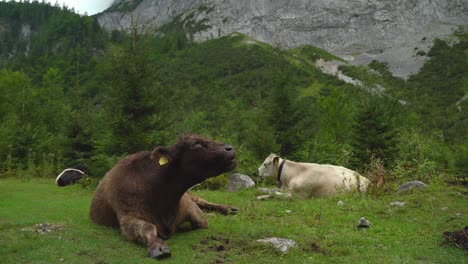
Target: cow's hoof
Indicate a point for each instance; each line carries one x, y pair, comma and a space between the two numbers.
159, 252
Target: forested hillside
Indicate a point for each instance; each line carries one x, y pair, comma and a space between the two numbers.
73, 94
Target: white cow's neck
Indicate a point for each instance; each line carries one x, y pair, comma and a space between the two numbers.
290, 169
281, 163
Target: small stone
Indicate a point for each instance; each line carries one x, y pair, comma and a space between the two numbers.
264, 190
282, 194
288, 211
264, 197
364, 223
397, 203
445, 208
340, 203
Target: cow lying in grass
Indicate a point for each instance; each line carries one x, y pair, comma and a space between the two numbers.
312, 179
69, 176
145, 193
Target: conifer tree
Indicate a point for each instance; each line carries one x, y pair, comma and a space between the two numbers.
131, 101
374, 133
283, 115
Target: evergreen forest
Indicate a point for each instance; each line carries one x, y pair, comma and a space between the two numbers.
73, 94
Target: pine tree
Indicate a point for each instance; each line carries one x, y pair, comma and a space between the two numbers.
132, 95
282, 117
374, 133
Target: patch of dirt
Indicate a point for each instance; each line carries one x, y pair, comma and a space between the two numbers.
221, 246
92, 256
44, 228
312, 246
459, 238
315, 248
86, 253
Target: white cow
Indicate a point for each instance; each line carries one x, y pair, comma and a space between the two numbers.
312, 179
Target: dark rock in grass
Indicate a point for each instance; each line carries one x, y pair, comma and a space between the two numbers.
281, 244
239, 181
407, 187
363, 223
459, 238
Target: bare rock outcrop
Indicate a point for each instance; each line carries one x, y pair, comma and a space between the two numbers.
359, 31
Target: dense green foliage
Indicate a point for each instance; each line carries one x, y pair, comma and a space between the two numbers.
72, 94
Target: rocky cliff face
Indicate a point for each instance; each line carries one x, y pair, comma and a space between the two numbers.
394, 31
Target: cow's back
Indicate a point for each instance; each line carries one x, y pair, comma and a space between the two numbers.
324, 180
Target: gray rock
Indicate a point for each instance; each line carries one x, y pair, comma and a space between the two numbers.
274, 193
410, 186
264, 197
281, 244
363, 223
268, 191
340, 203
239, 181
397, 203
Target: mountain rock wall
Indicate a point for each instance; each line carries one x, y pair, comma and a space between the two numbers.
392, 31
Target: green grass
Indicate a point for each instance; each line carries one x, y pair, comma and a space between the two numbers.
325, 232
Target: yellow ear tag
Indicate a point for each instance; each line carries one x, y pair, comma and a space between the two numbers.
163, 160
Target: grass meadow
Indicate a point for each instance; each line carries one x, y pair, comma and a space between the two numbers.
324, 231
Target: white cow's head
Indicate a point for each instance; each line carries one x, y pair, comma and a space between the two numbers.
269, 167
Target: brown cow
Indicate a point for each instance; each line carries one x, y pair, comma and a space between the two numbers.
145, 194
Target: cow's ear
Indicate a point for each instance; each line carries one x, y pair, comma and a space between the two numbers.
275, 160
161, 156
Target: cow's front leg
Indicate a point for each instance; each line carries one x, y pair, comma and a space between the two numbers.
144, 232
205, 205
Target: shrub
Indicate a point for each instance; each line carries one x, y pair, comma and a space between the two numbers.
460, 166
379, 176
216, 183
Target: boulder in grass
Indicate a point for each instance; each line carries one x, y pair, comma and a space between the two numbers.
281, 244
363, 223
239, 181
407, 187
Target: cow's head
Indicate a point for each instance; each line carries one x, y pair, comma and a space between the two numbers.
269, 167
197, 157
